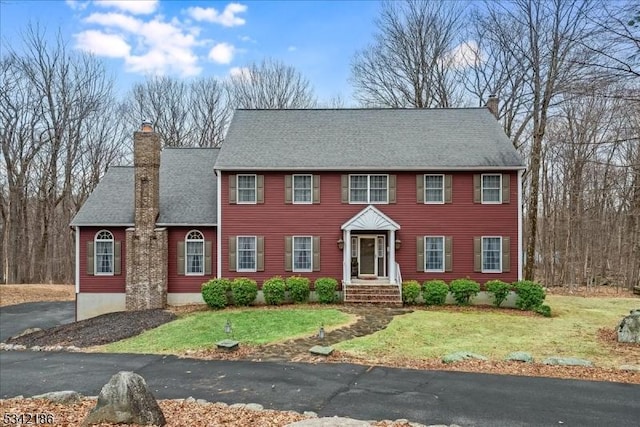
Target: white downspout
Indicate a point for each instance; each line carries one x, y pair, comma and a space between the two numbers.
77, 260
346, 258
392, 257
219, 226
520, 173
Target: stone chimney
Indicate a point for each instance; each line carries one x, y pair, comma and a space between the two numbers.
146, 251
492, 105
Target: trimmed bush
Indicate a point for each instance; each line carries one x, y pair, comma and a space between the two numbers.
410, 291
499, 290
244, 290
530, 294
274, 290
214, 292
434, 292
463, 290
298, 288
543, 309
326, 289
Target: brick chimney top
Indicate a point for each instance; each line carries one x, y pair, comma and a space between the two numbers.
492, 105
146, 126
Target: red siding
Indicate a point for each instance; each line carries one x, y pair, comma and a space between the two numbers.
182, 283
461, 219
101, 284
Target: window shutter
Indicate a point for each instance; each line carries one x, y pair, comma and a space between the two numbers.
288, 188
90, 262
207, 257
420, 253
477, 254
419, 188
477, 196
345, 188
232, 189
448, 185
117, 258
259, 188
506, 254
260, 253
392, 188
288, 260
316, 188
180, 258
506, 188
316, 253
233, 253
448, 253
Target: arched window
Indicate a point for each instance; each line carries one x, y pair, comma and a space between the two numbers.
194, 249
104, 252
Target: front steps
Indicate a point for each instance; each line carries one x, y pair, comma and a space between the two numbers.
373, 293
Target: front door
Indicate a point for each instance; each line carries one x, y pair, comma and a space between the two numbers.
367, 259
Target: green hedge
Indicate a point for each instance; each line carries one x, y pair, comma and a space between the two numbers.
463, 290
326, 289
298, 288
274, 290
244, 291
499, 290
434, 292
410, 291
531, 295
214, 292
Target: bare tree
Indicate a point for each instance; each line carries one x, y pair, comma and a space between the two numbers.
269, 85
412, 60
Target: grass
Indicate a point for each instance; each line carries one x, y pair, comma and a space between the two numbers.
250, 326
572, 331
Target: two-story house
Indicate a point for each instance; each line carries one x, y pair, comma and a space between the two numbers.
360, 195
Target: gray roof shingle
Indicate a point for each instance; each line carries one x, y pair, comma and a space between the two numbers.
367, 139
188, 195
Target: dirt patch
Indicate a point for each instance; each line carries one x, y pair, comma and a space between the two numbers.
17, 294
592, 291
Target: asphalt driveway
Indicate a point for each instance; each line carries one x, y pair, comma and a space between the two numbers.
16, 318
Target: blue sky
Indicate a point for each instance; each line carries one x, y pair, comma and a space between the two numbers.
202, 38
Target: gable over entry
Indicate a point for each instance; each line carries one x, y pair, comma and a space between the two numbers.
369, 219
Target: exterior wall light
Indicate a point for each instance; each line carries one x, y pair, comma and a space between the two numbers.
398, 244
340, 244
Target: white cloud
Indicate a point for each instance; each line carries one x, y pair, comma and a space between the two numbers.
117, 20
241, 73
292, 48
222, 53
227, 18
137, 7
99, 43
466, 54
246, 39
77, 5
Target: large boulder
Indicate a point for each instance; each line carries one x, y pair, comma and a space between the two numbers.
126, 399
629, 328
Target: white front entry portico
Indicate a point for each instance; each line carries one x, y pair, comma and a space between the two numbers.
369, 241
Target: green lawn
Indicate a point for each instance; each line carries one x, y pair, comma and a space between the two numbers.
250, 326
572, 331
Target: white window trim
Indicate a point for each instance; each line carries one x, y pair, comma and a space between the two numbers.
441, 202
482, 189
434, 270
255, 189
482, 254
186, 258
293, 190
95, 253
255, 255
293, 256
369, 202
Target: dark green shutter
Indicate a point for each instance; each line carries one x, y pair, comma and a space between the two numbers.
232, 189
477, 189
316, 188
316, 253
506, 188
477, 254
506, 254
448, 188
180, 258
233, 253
207, 257
117, 258
420, 188
420, 253
288, 188
288, 258
448, 253
260, 253
90, 261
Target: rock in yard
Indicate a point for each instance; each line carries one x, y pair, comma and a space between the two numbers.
459, 356
65, 397
566, 361
330, 422
27, 331
519, 356
629, 328
321, 350
126, 399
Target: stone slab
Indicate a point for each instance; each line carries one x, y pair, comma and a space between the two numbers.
228, 344
321, 350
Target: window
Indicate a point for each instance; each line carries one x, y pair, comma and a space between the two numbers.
104, 253
302, 189
246, 253
491, 188
434, 253
368, 189
302, 253
246, 188
491, 254
194, 253
434, 188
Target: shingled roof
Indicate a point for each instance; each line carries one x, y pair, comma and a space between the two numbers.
367, 139
188, 192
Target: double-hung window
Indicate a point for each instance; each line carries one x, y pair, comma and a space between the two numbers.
194, 249
302, 188
491, 254
104, 253
246, 253
491, 188
302, 253
434, 188
434, 253
368, 188
246, 188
